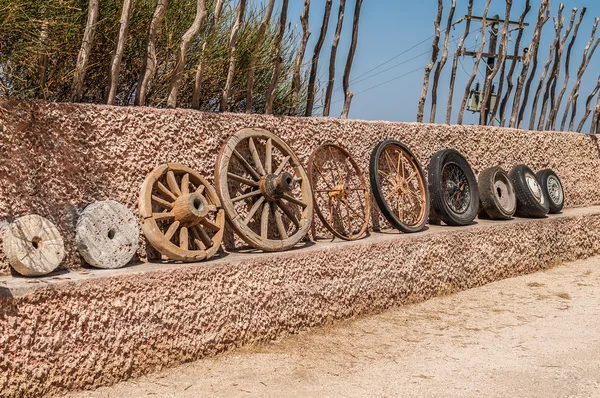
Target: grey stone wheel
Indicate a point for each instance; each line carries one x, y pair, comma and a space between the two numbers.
107, 234
33, 246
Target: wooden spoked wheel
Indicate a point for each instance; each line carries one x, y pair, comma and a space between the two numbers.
341, 194
181, 213
399, 186
264, 190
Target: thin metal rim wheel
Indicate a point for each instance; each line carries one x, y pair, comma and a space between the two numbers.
457, 193
405, 180
338, 189
282, 193
176, 202
535, 188
555, 191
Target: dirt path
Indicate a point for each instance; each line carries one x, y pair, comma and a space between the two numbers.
532, 336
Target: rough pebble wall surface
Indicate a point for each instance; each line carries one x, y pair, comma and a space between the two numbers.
57, 158
83, 334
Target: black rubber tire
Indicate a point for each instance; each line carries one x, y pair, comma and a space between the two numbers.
436, 189
555, 201
527, 203
496, 202
377, 192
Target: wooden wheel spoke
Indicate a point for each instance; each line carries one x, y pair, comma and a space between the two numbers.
279, 221
201, 236
210, 225
162, 202
264, 221
269, 156
295, 201
171, 230
172, 183
183, 238
243, 180
289, 213
200, 190
185, 184
163, 216
246, 165
245, 196
255, 156
165, 191
253, 210
283, 163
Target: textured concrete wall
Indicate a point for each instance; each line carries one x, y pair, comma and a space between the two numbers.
56, 158
98, 329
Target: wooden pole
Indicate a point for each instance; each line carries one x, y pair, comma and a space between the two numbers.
346, 80
115, 64
310, 91
455, 61
441, 63
428, 68
588, 103
84, 52
300, 58
224, 105
334, 46
278, 59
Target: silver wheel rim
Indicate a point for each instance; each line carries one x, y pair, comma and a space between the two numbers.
505, 193
535, 188
555, 190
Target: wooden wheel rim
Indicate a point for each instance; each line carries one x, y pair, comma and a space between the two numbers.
198, 234
237, 221
397, 179
312, 164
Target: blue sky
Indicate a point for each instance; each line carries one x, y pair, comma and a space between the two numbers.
390, 27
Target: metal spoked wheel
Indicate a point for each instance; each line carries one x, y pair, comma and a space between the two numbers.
340, 192
456, 192
399, 186
264, 190
181, 213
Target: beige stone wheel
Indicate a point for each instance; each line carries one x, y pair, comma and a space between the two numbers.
33, 246
181, 213
264, 190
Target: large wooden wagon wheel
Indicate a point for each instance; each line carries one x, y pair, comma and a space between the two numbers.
399, 186
342, 197
264, 190
181, 213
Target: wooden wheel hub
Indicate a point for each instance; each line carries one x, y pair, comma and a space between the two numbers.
273, 187
190, 209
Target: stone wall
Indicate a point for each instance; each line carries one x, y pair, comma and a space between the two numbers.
57, 158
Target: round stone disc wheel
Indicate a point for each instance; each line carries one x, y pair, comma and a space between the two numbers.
453, 188
264, 189
181, 213
399, 186
532, 201
340, 192
107, 234
33, 246
496, 194
551, 184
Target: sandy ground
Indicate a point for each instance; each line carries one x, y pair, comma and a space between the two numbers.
532, 336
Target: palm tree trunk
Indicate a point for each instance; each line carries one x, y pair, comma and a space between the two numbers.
149, 62
513, 65
184, 46
441, 63
224, 106
115, 64
457, 54
84, 51
299, 58
428, 68
334, 47
310, 92
259, 41
200, 69
346, 80
278, 59
556, 107
463, 104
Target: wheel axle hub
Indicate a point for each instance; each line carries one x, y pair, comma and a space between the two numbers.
190, 209
273, 186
